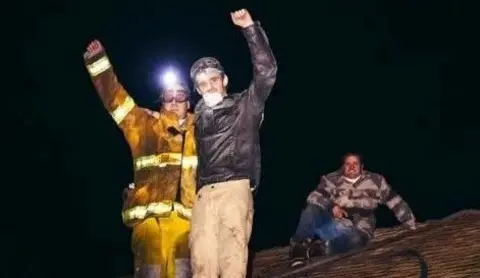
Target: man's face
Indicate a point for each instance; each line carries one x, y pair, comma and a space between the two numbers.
175, 99
210, 81
352, 167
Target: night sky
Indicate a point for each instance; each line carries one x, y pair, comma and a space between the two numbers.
394, 80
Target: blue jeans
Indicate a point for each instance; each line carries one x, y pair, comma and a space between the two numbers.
317, 222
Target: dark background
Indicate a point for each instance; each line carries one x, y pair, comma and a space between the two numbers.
395, 80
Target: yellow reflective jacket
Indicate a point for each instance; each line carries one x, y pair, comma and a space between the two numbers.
156, 152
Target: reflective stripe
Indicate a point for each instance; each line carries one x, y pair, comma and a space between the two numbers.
99, 66
164, 159
182, 210
160, 209
122, 111
140, 212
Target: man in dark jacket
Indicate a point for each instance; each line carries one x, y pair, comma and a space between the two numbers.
341, 212
227, 134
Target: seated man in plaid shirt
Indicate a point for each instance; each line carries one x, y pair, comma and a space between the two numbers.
340, 212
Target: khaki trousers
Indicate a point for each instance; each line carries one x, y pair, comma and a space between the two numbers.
221, 225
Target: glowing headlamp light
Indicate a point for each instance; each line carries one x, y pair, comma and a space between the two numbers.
169, 79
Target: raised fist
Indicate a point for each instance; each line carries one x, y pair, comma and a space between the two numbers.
242, 18
93, 49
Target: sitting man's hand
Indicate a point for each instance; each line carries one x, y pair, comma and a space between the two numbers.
338, 212
411, 224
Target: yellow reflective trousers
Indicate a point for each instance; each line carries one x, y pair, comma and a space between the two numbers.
160, 247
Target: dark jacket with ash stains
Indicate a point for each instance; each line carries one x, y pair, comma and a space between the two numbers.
156, 152
228, 133
360, 199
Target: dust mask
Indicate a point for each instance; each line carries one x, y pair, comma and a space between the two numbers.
212, 99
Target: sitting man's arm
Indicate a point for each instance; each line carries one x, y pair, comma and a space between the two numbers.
395, 203
323, 194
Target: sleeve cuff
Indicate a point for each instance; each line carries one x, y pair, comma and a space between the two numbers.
250, 30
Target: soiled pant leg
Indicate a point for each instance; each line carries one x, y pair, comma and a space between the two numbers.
180, 252
147, 249
174, 230
235, 208
160, 247
203, 235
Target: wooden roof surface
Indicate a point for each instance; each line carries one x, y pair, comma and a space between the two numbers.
450, 248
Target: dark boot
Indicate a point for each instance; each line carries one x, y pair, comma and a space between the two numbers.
299, 253
316, 249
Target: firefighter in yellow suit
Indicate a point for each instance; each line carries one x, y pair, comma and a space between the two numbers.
158, 205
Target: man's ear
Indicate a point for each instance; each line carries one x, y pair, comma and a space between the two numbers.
188, 105
225, 80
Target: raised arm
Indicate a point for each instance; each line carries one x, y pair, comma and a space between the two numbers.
114, 97
396, 204
263, 60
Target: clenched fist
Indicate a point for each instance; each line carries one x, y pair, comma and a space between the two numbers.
93, 49
242, 18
